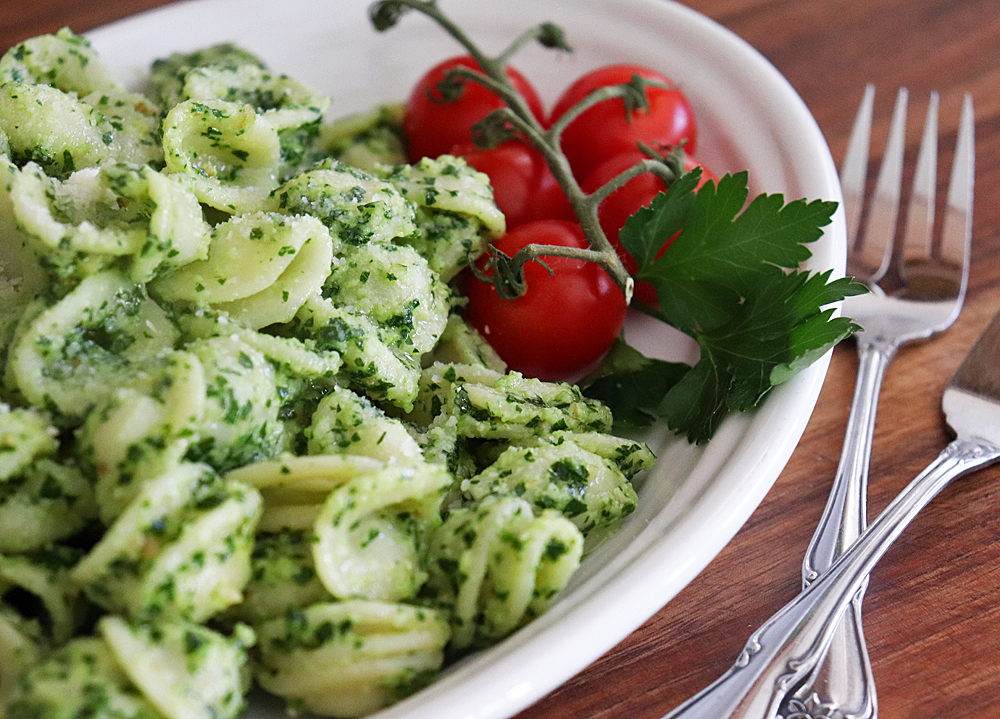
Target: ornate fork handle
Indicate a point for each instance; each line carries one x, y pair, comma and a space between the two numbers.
843, 521
842, 681
787, 648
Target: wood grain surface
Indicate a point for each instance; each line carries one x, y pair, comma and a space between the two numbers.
932, 610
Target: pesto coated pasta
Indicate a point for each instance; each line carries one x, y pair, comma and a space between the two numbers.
246, 435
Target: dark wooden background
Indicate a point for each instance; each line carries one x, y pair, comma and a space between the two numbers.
932, 612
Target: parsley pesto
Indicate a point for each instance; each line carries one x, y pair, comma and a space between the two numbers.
246, 435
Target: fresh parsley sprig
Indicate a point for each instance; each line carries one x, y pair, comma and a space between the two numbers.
730, 280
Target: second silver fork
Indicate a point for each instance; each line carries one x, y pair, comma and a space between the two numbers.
934, 279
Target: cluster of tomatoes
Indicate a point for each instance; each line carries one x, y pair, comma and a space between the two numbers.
572, 311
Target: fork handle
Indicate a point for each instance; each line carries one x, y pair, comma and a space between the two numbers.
787, 648
845, 515
844, 678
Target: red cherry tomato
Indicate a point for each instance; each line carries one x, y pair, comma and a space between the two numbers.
603, 131
627, 200
523, 186
431, 126
565, 322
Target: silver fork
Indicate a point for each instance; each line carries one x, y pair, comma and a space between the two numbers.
934, 280
779, 668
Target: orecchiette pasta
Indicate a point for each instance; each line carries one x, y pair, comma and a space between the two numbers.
449, 184
81, 214
347, 423
357, 207
453, 224
491, 405
242, 418
44, 574
366, 140
64, 60
135, 122
185, 670
282, 577
82, 115
461, 344
285, 102
583, 486
97, 216
21, 276
82, 677
20, 649
348, 659
167, 75
54, 129
136, 435
294, 357
499, 564
281, 300
229, 154
394, 287
246, 435
369, 531
25, 434
72, 355
181, 548
246, 255
45, 502
294, 488
371, 362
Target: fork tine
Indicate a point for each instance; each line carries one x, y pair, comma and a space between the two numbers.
875, 250
957, 228
918, 234
854, 171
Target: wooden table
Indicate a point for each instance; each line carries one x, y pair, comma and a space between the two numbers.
932, 612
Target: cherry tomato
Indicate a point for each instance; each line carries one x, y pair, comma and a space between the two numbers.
523, 186
603, 131
627, 200
565, 322
431, 126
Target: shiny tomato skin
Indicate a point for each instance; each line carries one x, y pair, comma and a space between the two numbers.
564, 323
524, 188
432, 126
629, 199
604, 131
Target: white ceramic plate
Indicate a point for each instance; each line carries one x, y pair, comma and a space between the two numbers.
695, 499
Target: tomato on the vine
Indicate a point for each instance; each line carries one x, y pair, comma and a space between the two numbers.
565, 322
604, 130
629, 199
432, 125
523, 186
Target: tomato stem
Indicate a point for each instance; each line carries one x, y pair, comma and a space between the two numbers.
546, 34
534, 252
657, 167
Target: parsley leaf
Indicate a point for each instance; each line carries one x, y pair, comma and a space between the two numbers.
730, 280
632, 385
